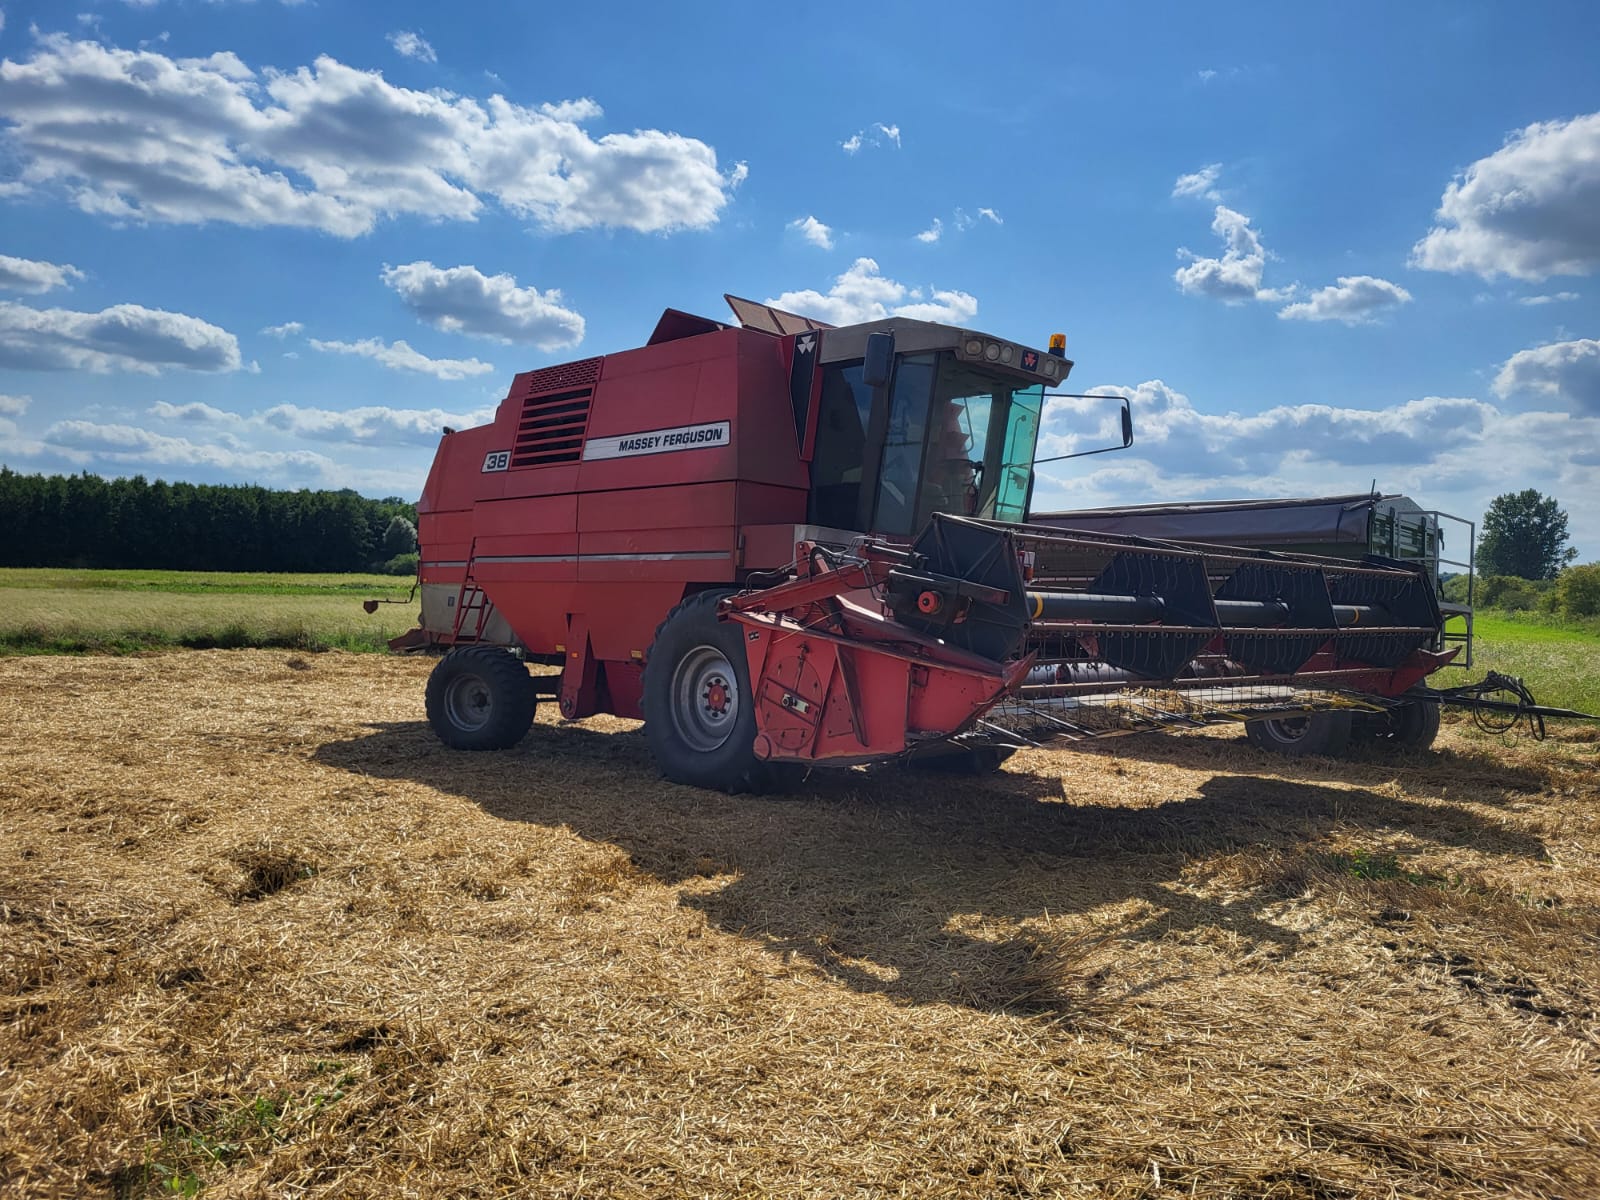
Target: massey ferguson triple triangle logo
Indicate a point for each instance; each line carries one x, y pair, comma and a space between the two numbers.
658, 441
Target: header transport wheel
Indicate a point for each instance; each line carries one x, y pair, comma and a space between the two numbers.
480, 698
698, 710
1409, 726
1296, 737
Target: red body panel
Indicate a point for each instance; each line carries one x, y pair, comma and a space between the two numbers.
577, 547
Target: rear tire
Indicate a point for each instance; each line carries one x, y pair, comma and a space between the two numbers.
1409, 726
1299, 737
480, 698
699, 711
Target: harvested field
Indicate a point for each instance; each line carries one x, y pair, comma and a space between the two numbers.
260, 934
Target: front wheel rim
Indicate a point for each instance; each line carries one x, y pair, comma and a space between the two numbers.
705, 699
468, 703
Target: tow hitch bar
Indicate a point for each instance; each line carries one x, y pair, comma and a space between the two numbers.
1495, 715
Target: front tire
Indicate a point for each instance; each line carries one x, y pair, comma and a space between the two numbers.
1325, 733
699, 711
480, 698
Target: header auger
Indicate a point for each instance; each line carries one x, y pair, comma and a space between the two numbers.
790, 544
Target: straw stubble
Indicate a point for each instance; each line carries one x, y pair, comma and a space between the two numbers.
264, 935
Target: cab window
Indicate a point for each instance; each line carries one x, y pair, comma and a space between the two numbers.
842, 421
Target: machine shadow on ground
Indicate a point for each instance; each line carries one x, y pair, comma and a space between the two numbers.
926, 889
1433, 772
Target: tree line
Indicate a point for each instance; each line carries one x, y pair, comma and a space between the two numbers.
87, 521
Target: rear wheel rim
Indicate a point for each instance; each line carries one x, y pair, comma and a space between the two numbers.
468, 702
705, 699
1289, 729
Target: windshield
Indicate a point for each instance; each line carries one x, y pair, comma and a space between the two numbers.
980, 455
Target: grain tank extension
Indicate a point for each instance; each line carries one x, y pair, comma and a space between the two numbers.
786, 544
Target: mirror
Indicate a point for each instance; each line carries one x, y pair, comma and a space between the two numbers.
1125, 416
878, 363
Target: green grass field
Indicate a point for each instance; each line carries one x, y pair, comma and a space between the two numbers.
204, 583
66, 612
1561, 666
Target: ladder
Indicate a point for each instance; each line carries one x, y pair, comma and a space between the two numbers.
472, 605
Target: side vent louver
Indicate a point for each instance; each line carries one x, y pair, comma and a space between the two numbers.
555, 415
551, 429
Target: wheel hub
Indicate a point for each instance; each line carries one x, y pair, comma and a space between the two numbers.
1291, 729
705, 698
468, 702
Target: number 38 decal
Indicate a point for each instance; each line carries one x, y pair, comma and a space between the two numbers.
497, 460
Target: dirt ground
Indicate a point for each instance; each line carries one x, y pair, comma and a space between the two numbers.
262, 935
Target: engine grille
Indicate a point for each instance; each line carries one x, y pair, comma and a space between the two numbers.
551, 428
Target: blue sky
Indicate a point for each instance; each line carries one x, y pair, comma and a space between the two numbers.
252, 240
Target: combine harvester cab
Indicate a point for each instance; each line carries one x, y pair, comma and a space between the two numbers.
783, 543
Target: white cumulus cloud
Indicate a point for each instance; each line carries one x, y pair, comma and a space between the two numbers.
1455, 453
287, 329
1171, 431
195, 413
814, 231
1529, 210
371, 425
86, 441
34, 276
1554, 298
1203, 183
14, 406
124, 337
1236, 276
135, 135
412, 45
961, 220
399, 356
368, 425
862, 293
876, 136
1567, 370
463, 299
1355, 300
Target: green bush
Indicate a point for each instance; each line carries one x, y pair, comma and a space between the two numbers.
1578, 591
1454, 589
400, 564
1511, 593
400, 537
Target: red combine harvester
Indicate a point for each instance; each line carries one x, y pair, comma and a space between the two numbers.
787, 543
